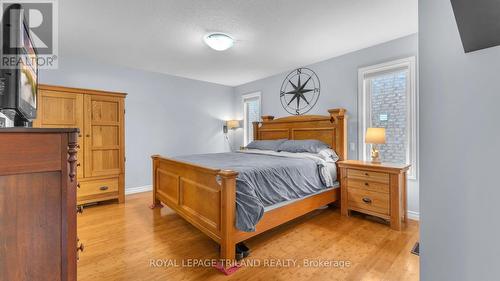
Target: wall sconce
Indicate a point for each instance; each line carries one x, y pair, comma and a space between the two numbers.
230, 125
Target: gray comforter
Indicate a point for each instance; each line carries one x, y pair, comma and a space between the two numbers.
267, 178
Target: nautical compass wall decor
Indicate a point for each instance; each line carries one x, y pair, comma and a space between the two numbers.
300, 91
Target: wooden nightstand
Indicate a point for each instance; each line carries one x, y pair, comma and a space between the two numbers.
374, 189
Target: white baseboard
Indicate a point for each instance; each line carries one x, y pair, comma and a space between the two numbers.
414, 215
139, 189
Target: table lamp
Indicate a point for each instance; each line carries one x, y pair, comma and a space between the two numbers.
375, 136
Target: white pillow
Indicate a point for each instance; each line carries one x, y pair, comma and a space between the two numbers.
328, 155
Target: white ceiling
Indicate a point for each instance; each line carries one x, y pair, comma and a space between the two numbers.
272, 36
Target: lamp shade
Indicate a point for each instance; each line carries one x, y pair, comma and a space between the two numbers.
233, 124
375, 135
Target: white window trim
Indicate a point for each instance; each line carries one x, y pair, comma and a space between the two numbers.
412, 94
243, 98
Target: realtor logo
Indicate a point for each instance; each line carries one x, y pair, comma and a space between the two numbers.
28, 24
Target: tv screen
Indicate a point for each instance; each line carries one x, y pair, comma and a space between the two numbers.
19, 70
28, 76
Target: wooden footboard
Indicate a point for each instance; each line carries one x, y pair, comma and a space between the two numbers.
206, 198
203, 196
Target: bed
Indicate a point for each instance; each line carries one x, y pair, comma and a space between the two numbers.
206, 197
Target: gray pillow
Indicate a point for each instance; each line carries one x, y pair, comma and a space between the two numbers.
266, 144
311, 146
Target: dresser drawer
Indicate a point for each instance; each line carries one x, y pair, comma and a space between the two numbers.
368, 185
98, 187
368, 200
368, 175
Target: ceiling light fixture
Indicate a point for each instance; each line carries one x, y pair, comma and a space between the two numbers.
219, 41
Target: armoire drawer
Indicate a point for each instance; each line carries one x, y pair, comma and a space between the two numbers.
101, 187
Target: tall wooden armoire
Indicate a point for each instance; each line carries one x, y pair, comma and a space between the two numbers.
100, 116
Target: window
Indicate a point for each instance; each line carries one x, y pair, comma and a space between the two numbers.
251, 113
387, 99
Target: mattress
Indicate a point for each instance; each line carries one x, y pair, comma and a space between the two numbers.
284, 203
267, 179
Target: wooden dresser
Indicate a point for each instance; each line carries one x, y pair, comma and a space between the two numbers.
100, 116
374, 189
38, 182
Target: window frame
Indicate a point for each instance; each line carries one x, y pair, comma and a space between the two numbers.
246, 126
364, 114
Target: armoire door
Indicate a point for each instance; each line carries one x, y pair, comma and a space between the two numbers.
104, 138
61, 110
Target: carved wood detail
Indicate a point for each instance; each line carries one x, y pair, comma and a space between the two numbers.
73, 148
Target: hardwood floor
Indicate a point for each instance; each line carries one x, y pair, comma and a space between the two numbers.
121, 242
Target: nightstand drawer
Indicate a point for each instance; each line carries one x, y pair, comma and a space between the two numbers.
368, 185
368, 175
368, 200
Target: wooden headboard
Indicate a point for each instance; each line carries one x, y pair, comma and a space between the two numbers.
330, 129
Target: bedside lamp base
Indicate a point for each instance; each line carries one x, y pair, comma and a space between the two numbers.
375, 155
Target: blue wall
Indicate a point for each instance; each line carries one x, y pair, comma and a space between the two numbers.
166, 115
339, 88
459, 137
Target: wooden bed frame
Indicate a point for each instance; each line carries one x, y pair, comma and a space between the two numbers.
206, 197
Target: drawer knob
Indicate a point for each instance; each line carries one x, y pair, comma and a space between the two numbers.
80, 248
367, 200
367, 184
103, 188
78, 185
79, 209
78, 164
366, 174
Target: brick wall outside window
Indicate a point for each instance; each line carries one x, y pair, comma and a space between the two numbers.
389, 110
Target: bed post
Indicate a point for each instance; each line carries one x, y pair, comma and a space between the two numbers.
156, 201
228, 215
265, 118
255, 130
340, 119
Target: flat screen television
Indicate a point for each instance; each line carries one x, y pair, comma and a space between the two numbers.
19, 69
